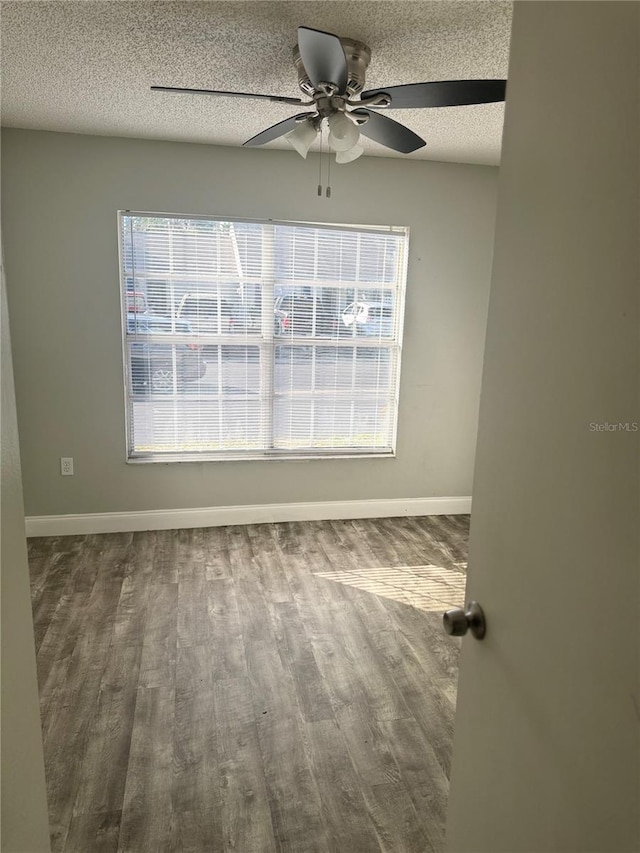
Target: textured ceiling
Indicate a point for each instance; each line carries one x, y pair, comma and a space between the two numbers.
86, 67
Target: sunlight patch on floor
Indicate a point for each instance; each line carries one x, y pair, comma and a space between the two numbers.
425, 587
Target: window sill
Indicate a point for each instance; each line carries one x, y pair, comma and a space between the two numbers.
276, 457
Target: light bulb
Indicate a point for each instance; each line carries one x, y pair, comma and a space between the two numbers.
343, 133
302, 138
351, 154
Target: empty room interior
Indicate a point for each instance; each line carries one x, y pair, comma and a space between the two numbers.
285, 285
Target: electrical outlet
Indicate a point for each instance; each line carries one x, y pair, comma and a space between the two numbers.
66, 466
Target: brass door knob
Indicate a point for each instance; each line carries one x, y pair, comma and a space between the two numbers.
457, 622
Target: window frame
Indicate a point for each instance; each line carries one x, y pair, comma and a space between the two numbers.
267, 341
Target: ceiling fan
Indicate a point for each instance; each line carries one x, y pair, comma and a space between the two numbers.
331, 72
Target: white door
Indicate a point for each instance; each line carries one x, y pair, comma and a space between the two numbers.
546, 743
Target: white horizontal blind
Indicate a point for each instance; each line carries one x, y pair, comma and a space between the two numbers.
247, 339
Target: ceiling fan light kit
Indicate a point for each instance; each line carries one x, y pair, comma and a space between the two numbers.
350, 155
331, 73
302, 137
343, 132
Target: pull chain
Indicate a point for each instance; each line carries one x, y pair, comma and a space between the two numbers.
328, 187
320, 165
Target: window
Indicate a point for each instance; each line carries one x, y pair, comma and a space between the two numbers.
247, 340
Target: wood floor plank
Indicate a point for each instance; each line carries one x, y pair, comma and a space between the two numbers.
429, 707
370, 751
66, 726
293, 795
354, 653
245, 811
146, 812
196, 769
394, 817
455, 534
358, 683
140, 557
57, 646
267, 564
385, 545
131, 612
401, 578
104, 561
418, 548
225, 643
344, 810
96, 832
250, 594
66, 729
318, 606
65, 740
160, 645
190, 555
423, 777
194, 832
216, 554
166, 555
296, 650
366, 560
194, 624
103, 766
40, 553
423, 632
53, 584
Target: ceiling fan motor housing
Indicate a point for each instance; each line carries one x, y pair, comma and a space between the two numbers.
358, 57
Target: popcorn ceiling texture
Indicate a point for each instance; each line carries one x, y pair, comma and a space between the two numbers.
86, 67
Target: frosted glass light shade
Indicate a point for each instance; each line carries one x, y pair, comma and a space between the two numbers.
343, 133
348, 156
302, 138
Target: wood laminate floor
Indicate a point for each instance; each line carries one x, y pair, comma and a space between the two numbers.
260, 688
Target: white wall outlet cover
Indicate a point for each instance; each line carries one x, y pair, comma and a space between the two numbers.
66, 466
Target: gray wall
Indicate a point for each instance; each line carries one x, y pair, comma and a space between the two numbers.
60, 194
24, 801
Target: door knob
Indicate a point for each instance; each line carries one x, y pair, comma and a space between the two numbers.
457, 622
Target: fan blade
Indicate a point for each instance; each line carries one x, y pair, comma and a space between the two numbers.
449, 93
323, 57
276, 130
388, 132
278, 99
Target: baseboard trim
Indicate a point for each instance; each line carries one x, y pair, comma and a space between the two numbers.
172, 519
